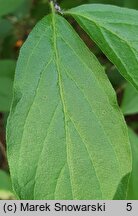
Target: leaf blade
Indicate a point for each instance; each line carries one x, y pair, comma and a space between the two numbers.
69, 157
115, 31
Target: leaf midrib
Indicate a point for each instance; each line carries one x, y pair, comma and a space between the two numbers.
61, 90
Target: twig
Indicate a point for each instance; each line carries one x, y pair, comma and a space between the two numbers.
56, 6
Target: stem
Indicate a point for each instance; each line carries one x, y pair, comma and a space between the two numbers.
52, 7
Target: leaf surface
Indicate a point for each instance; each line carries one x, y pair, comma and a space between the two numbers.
130, 100
133, 184
115, 30
66, 136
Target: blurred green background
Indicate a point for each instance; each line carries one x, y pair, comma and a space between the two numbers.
17, 18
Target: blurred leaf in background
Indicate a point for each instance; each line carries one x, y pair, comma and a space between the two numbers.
8, 6
7, 68
40, 9
23, 9
5, 27
5, 186
130, 100
131, 4
5, 181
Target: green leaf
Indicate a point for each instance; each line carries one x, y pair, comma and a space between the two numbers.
5, 28
130, 100
66, 136
133, 184
5, 186
8, 6
115, 30
7, 68
5, 182
23, 9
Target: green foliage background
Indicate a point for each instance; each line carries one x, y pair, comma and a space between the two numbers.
17, 18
